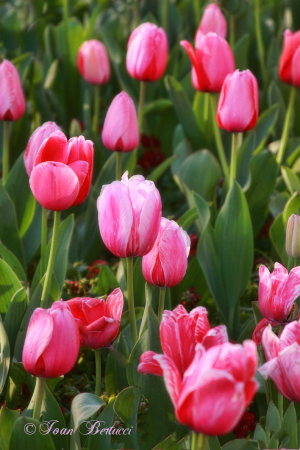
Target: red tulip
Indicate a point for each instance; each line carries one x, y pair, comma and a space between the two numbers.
289, 66
238, 102
12, 105
147, 53
213, 21
52, 342
180, 332
98, 320
120, 130
212, 61
93, 63
166, 263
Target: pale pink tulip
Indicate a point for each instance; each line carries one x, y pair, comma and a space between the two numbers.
289, 67
213, 21
52, 342
166, 263
93, 63
129, 213
12, 104
120, 130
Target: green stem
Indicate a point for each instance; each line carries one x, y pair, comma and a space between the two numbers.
5, 158
51, 260
280, 405
66, 12
44, 241
130, 295
199, 441
98, 372
286, 126
206, 103
142, 99
96, 109
165, 14
118, 165
233, 159
232, 30
268, 389
260, 45
38, 399
162, 295
218, 138
197, 11
136, 14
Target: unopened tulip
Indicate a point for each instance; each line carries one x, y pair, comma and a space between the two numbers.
238, 102
212, 61
129, 213
147, 53
180, 332
93, 63
62, 172
12, 104
293, 237
166, 263
289, 66
35, 141
283, 360
120, 130
98, 320
213, 21
52, 342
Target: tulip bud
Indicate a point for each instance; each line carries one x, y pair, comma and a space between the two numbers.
211, 63
12, 104
129, 213
213, 21
120, 130
52, 342
289, 66
93, 63
293, 237
147, 53
166, 263
238, 102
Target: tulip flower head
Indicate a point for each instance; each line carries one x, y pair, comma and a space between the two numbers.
289, 66
292, 241
213, 21
120, 130
129, 213
147, 53
238, 102
98, 320
12, 105
166, 263
212, 61
93, 63
52, 342
62, 171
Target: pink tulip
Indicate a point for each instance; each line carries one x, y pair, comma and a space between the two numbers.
211, 63
62, 172
52, 342
283, 360
147, 53
129, 213
180, 332
238, 102
166, 263
120, 130
289, 66
98, 320
35, 141
213, 21
12, 105
93, 63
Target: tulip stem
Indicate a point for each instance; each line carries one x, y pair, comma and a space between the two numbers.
44, 241
199, 441
130, 295
38, 399
142, 99
118, 165
280, 405
232, 30
162, 295
197, 11
286, 126
5, 153
96, 109
218, 138
260, 44
233, 158
98, 372
165, 15
51, 260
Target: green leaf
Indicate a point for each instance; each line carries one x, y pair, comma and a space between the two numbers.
194, 277
244, 157
103, 441
291, 180
160, 170
292, 207
260, 436
277, 236
13, 262
13, 317
203, 211
115, 369
273, 422
214, 443
264, 127
51, 411
4, 356
289, 426
241, 444
240, 51
26, 436
106, 281
138, 283
126, 407
9, 285
188, 218
7, 420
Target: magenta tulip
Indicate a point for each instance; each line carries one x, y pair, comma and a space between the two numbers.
12, 105
52, 342
180, 332
213, 21
98, 320
238, 102
129, 213
120, 130
211, 63
283, 360
147, 53
289, 66
166, 263
93, 63
35, 141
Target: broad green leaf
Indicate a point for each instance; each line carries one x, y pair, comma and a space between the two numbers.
16, 378
260, 436
289, 426
9, 285
115, 369
159, 106
240, 51
277, 235
181, 150
273, 421
103, 441
264, 126
241, 444
138, 283
203, 211
277, 203
244, 157
214, 443
26, 436
106, 281
291, 180
51, 412
160, 170
13, 262
126, 407
13, 317
292, 207
4, 356
188, 218
32, 238
7, 420
148, 297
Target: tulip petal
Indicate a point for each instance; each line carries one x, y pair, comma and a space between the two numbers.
75, 305
114, 304
202, 324
290, 45
12, 105
149, 365
82, 150
289, 361
171, 376
289, 336
81, 169
100, 333
259, 329
272, 369
215, 336
54, 148
94, 308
